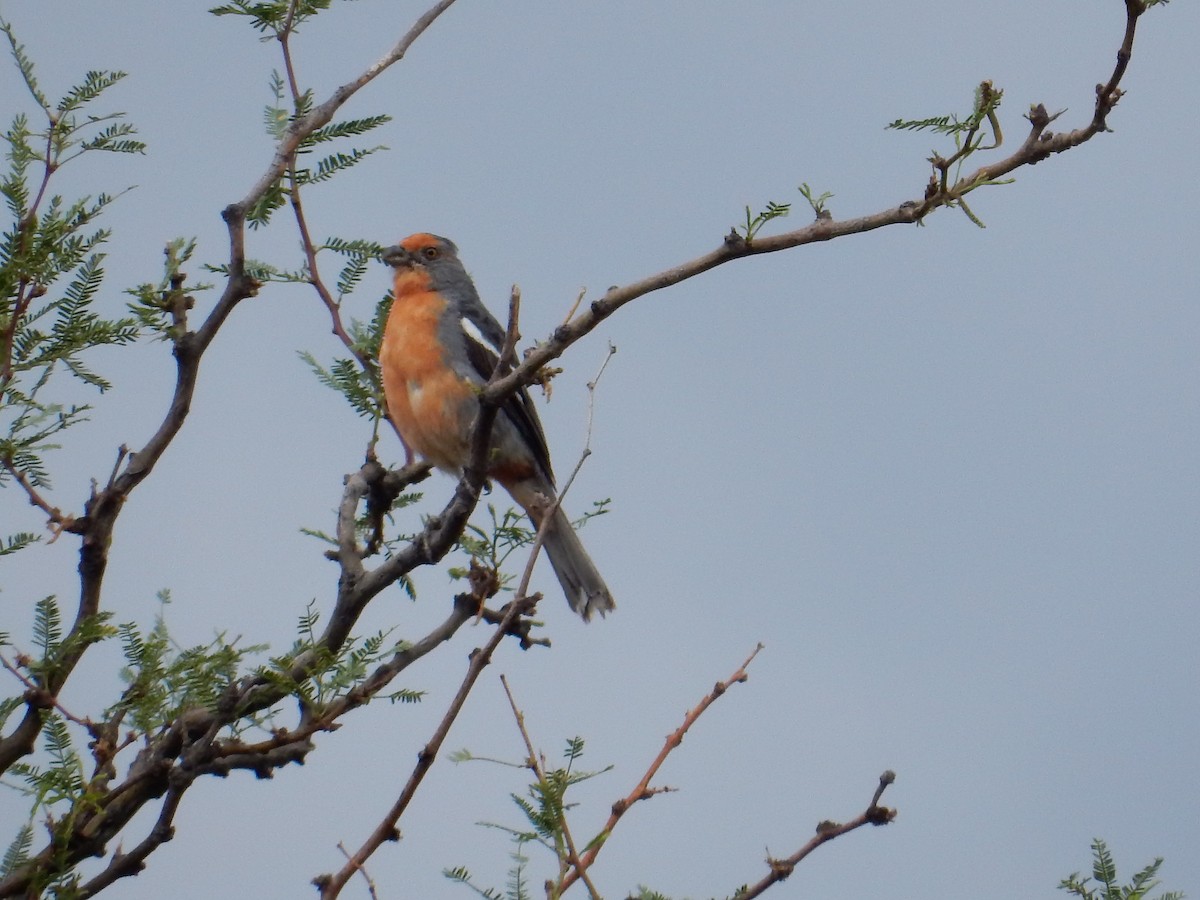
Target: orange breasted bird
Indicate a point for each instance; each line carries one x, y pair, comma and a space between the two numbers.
440, 346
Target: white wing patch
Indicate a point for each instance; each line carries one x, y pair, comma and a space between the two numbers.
473, 332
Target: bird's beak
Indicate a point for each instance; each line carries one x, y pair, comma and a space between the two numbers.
397, 256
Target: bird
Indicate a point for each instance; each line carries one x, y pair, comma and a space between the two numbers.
440, 346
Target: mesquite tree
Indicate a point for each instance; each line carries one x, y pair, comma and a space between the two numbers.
179, 715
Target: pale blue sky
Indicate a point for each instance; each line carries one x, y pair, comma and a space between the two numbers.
947, 475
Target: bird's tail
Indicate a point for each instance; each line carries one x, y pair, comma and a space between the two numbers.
580, 579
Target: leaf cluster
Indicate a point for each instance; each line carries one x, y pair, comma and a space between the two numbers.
61, 789
51, 270
1103, 884
491, 546
755, 222
54, 647
278, 116
161, 308
164, 680
987, 101
356, 377
273, 18
328, 675
969, 135
544, 808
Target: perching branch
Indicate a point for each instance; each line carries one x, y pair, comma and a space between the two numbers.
103, 507
189, 746
53, 514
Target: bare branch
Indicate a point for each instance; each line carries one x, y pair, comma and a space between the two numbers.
124, 864
56, 521
330, 886
642, 790
571, 857
362, 869
40, 697
1038, 145
826, 831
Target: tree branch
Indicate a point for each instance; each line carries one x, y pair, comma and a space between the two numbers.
192, 737
1038, 145
642, 790
826, 831
570, 858
331, 885
54, 515
323, 114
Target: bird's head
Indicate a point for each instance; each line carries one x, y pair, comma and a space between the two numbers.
423, 251
423, 262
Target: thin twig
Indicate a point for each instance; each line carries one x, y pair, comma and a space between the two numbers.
575, 306
571, 859
508, 352
642, 790
826, 831
363, 871
41, 695
53, 513
331, 885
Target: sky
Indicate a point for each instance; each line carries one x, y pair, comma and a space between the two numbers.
946, 475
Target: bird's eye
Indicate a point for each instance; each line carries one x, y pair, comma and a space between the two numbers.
431, 252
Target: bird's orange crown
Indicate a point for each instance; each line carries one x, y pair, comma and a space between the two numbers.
419, 241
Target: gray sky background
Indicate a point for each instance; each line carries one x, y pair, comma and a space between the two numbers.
947, 475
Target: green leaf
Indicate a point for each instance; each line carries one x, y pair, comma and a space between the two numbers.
109, 140
25, 65
18, 541
335, 130
94, 84
265, 206
47, 627
18, 851
1104, 869
334, 163
755, 223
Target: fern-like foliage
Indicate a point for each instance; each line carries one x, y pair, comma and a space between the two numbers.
755, 222
987, 101
970, 133
815, 200
1104, 884
18, 850
356, 377
161, 308
163, 680
52, 646
544, 808
272, 17
329, 676
507, 531
281, 112
51, 270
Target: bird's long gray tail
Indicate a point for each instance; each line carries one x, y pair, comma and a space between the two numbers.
580, 579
